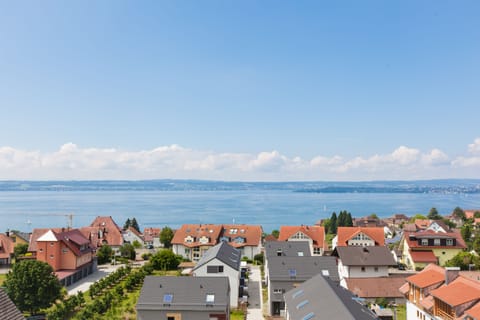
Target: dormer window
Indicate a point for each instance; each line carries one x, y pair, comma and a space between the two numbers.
189, 239
239, 240
424, 242
204, 240
300, 235
436, 242
449, 242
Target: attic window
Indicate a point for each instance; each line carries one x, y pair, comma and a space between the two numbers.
233, 231
424, 242
436, 242
167, 298
210, 298
325, 273
449, 242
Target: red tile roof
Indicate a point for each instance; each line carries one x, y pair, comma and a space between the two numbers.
37, 233
6, 246
470, 213
316, 233
73, 239
474, 312
103, 230
197, 231
270, 238
423, 256
430, 275
251, 233
346, 233
459, 291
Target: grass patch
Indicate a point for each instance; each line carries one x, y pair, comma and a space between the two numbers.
2, 278
401, 312
237, 315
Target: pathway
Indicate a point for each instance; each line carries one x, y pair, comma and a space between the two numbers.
254, 311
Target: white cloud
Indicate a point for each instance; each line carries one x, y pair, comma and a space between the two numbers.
71, 161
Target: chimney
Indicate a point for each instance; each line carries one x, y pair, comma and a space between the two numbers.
451, 273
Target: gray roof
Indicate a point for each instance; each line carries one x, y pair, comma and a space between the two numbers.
365, 256
301, 268
223, 252
8, 310
321, 298
187, 293
287, 248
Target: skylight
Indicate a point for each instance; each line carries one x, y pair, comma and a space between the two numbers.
210, 298
297, 294
309, 316
167, 298
325, 273
302, 304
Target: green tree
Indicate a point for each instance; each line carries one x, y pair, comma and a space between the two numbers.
135, 225
464, 260
166, 236
104, 254
418, 216
136, 244
128, 251
341, 219
326, 225
275, 233
20, 250
433, 214
476, 214
349, 220
459, 213
127, 224
32, 285
373, 216
466, 232
165, 260
333, 223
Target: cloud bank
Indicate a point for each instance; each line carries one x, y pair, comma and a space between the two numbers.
71, 161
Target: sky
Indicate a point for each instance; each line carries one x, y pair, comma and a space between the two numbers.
239, 90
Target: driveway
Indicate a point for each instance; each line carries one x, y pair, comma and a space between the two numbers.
255, 310
85, 283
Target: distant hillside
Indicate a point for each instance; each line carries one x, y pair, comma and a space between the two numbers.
465, 186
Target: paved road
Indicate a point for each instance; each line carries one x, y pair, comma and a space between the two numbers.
254, 311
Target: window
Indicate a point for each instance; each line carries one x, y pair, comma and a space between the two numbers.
363, 269
302, 304
300, 253
297, 294
325, 273
317, 250
51, 256
51, 244
424, 242
41, 250
214, 269
279, 252
292, 273
64, 250
187, 251
436, 242
309, 316
376, 269
210, 298
300, 235
449, 242
277, 291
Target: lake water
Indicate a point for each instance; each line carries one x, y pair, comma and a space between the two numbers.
25, 210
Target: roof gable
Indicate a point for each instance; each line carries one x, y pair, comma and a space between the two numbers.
365, 256
223, 252
459, 291
431, 275
345, 234
287, 248
280, 268
316, 233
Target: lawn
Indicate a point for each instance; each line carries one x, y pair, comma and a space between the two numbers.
237, 315
401, 312
2, 278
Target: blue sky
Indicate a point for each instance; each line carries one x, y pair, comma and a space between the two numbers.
240, 90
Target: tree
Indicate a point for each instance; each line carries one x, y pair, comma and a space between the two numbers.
128, 251
127, 224
373, 216
476, 214
104, 254
434, 215
459, 213
349, 221
32, 285
466, 232
333, 224
134, 224
165, 260
464, 260
418, 216
341, 219
166, 236
136, 244
275, 233
326, 225
20, 250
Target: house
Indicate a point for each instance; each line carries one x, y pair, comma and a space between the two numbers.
151, 237
285, 273
321, 298
184, 298
192, 240
371, 289
19, 237
359, 236
368, 222
6, 249
438, 293
68, 252
130, 235
287, 249
315, 235
427, 246
363, 262
246, 238
104, 231
8, 310
222, 260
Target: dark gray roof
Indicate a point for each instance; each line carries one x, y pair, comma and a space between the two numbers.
187, 293
287, 248
281, 268
365, 256
223, 252
321, 298
8, 310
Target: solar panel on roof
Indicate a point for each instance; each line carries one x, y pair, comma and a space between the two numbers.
292, 272
167, 298
297, 294
309, 316
302, 304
